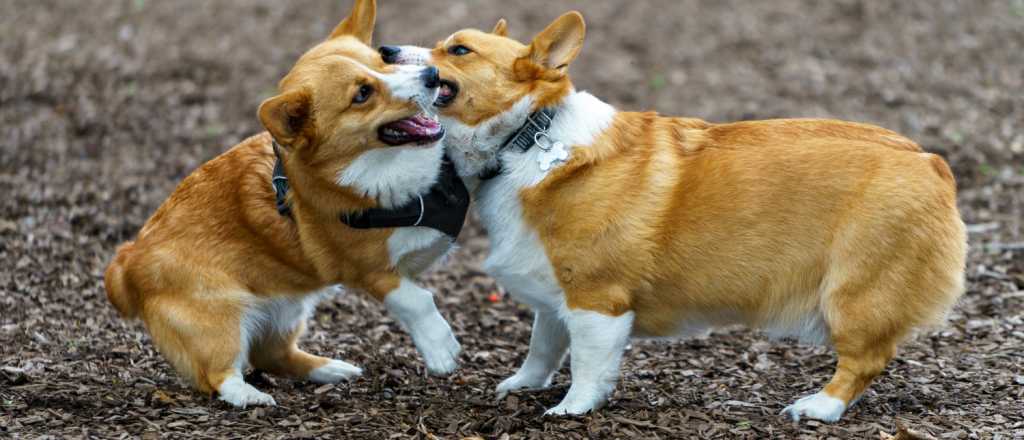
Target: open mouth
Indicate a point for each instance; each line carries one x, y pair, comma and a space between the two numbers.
449, 90
419, 129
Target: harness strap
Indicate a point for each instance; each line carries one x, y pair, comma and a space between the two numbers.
280, 182
443, 207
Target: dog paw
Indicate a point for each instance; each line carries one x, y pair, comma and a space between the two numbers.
569, 409
335, 371
581, 399
818, 406
520, 381
240, 394
441, 354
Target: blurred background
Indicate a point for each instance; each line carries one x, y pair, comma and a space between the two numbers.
106, 105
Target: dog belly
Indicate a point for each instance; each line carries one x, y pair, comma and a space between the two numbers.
709, 294
807, 327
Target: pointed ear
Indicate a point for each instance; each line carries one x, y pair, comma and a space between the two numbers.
556, 46
359, 22
500, 29
286, 117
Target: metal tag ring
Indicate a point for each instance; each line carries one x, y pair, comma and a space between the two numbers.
543, 146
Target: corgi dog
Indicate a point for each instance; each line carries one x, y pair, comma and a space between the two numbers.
224, 282
614, 224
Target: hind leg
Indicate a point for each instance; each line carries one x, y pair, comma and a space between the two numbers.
889, 274
859, 363
866, 322
204, 341
281, 355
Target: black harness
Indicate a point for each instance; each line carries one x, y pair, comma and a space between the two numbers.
535, 128
443, 207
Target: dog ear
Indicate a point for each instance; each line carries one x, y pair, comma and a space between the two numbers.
554, 48
287, 117
359, 22
500, 29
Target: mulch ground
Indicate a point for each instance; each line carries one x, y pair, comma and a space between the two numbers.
106, 105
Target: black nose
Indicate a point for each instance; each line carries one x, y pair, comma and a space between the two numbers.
389, 53
431, 78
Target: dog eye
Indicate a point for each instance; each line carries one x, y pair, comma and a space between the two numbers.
459, 50
364, 93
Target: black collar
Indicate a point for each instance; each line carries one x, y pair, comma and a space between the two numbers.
280, 182
443, 207
536, 125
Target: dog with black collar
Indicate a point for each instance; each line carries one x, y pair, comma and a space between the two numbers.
613, 224
348, 187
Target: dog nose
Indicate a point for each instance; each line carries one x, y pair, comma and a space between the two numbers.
431, 78
389, 53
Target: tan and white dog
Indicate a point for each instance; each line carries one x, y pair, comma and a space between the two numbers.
223, 281
829, 231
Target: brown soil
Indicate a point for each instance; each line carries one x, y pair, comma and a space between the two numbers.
106, 105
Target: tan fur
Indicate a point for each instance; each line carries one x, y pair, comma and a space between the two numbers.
498, 71
218, 244
764, 223
500, 28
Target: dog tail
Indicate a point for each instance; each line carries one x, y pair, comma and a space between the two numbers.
119, 291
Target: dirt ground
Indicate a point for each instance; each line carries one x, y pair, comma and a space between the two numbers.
106, 105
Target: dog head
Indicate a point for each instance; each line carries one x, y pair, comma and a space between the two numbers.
345, 118
490, 83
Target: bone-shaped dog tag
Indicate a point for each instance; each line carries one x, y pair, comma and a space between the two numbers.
557, 153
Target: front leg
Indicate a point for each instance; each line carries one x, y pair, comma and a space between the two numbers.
596, 344
414, 309
548, 344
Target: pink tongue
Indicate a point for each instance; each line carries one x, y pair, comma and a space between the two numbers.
418, 125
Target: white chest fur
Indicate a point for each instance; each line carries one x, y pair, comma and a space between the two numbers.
517, 257
394, 176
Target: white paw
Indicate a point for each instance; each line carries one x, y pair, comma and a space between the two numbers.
235, 391
520, 381
819, 406
569, 409
579, 400
335, 371
414, 308
441, 354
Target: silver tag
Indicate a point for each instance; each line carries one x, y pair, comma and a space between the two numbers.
557, 153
